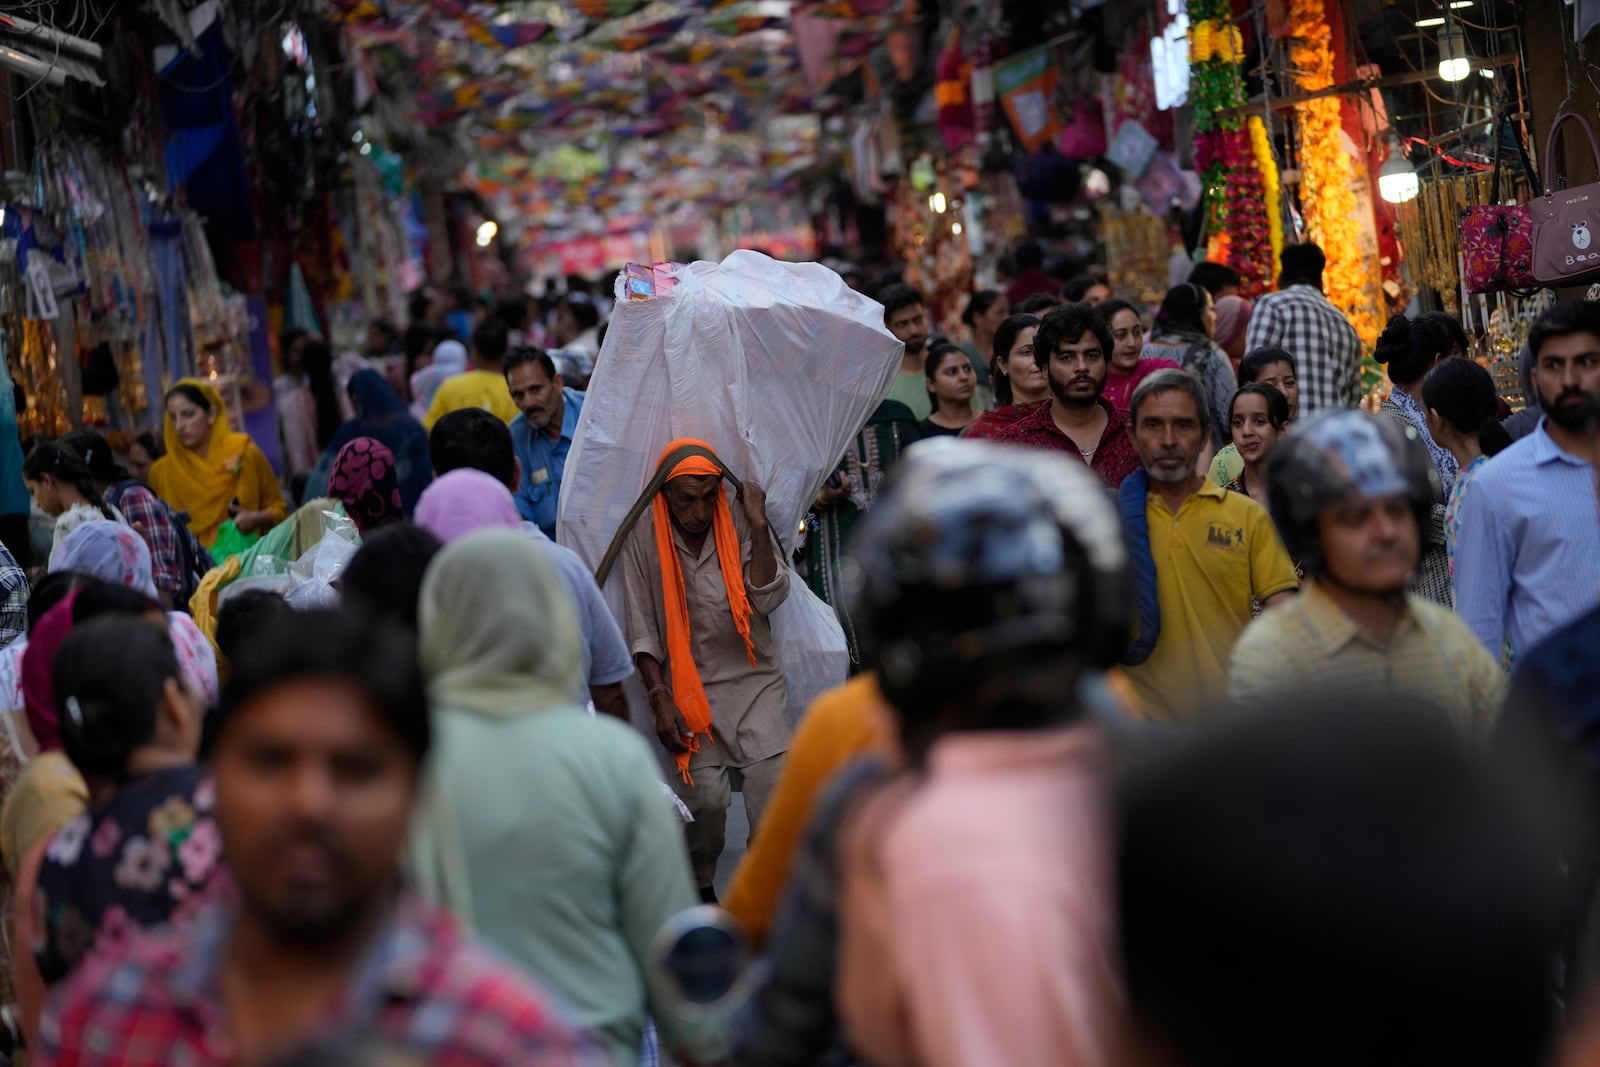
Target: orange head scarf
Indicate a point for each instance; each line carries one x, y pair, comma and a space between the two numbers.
687, 691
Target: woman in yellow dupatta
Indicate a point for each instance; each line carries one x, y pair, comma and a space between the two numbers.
207, 467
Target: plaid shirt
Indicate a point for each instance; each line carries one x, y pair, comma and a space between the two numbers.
155, 522
1326, 348
1114, 458
13, 598
789, 1018
424, 987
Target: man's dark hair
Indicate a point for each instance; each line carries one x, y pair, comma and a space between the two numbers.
1564, 319
52, 589
241, 617
1068, 324
583, 309
896, 297
521, 357
1078, 286
385, 327
1215, 277
1039, 303
473, 438
384, 578
1030, 256
1302, 264
489, 340
418, 304
513, 311
1360, 885
379, 658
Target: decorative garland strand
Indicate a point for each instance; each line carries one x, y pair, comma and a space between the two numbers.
1325, 171
1269, 182
1239, 223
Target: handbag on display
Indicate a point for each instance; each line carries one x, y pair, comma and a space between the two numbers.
1496, 238
1566, 222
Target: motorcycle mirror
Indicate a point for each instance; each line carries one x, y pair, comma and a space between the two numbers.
700, 959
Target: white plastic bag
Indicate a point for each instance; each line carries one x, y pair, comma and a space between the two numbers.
312, 576
775, 366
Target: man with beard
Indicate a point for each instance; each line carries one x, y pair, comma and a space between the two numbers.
1528, 551
907, 318
320, 739
1072, 347
1352, 498
542, 434
1213, 553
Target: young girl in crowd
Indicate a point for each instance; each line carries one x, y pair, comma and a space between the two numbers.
1020, 384
1259, 417
1461, 406
951, 384
1269, 366
63, 486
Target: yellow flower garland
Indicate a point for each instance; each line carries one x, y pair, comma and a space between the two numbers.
1214, 39
1269, 183
1326, 173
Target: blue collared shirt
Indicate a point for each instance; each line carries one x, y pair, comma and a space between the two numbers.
1528, 545
543, 462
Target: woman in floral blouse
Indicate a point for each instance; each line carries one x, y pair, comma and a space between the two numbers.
1461, 406
145, 851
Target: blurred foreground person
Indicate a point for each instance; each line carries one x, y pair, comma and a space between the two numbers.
1358, 886
993, 579
321, 732
1352, 497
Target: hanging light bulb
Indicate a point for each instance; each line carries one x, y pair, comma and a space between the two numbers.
1455, 60
1397, 180
938, 203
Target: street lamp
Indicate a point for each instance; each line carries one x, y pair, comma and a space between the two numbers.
1397, 180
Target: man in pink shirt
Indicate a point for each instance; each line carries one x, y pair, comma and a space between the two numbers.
975, 922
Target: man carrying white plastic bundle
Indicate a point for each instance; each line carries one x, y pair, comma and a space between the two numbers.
700, 579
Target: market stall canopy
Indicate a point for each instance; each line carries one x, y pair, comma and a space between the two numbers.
592, 115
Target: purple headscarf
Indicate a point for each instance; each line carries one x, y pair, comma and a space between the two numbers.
38, 693
463, 501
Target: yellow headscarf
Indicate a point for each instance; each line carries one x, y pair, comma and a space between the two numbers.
205, 487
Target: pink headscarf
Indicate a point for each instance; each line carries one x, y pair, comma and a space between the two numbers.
38, 693
1233, 317
463, 501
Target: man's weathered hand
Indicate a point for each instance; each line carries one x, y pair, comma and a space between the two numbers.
670, 725
754, 499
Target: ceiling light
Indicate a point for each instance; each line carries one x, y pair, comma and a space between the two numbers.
955, 227
1455, 60
486, 233
1429, 23
1455, 4
938, 203
1397, 180
1486, 72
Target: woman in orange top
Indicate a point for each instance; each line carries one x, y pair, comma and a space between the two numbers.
211, 472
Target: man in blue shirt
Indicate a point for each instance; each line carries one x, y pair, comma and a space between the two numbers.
542, 434
1528, 550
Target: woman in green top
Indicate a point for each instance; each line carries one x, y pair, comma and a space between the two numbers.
543, 827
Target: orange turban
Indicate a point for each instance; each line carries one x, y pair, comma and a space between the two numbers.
687, 690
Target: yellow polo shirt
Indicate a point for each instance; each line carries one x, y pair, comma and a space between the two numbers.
1310, 645
1213, 557
472, 389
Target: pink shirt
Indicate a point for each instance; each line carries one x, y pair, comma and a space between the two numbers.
1119, 386
975, 908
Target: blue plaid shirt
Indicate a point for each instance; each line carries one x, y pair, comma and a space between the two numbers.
13, 598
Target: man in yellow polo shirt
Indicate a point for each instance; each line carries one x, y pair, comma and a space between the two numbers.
481, 386
1352, 497
1214, 552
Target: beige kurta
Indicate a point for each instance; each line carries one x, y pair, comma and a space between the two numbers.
749, 706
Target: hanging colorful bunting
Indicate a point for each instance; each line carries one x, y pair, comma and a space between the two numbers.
1238, 209
1326, 174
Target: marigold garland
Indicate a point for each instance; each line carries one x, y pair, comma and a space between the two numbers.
1269, 183
1239, 224
1326, 175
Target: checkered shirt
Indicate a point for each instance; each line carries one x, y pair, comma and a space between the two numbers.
13, 598
424, 987
1326, 348
157, 524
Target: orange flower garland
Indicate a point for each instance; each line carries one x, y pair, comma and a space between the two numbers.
1325, 171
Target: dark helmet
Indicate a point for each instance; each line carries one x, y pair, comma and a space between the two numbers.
977, 555
1340, 454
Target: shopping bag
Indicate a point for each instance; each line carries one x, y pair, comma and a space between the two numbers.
1496, 238
1566, 222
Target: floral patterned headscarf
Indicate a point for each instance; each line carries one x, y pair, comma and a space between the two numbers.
365, 482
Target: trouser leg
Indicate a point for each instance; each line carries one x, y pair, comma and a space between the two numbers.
707, 801
756, 783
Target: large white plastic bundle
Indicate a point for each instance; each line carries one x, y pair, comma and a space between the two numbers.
776, 366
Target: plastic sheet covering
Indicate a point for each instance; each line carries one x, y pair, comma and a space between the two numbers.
776, 366
312, 576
